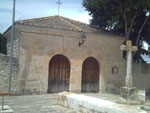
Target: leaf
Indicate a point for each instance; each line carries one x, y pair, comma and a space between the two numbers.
108, 14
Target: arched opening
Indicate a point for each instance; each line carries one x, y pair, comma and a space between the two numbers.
59, 74
90, 75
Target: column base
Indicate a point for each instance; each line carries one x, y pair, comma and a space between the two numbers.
130, 93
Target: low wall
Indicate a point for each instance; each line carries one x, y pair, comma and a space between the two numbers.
141, 75
89, 104
4, 73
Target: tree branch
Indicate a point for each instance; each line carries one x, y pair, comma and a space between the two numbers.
140, 30
133, 19
132, 23
125, 18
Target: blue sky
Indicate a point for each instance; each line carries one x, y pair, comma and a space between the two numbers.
26, 9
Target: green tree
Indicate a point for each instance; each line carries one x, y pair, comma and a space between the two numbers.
3, 43
128, 17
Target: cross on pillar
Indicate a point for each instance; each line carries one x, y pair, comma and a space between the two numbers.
129, 48
59, 3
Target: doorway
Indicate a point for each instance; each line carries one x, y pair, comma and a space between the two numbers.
59, 74
90, 75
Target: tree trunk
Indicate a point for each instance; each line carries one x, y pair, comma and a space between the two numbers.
140, 30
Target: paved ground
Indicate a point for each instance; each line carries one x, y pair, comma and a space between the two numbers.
48, 103
110, 97
36, 104
117, 99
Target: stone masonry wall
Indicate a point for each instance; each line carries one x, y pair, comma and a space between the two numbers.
141, 75
15, 43
36, 46
15, 48
4, 73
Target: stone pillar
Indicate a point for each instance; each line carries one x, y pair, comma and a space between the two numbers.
128, 81
75, 75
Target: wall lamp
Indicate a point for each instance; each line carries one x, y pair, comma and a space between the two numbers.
82, 39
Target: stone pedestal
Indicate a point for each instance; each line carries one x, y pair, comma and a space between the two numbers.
129, 93
142, 95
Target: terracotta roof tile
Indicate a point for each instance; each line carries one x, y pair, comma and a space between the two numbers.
58, 22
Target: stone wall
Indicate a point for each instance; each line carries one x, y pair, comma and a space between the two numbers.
4, 73
37, 46
15, 43
15, 48
141, 75
141, 78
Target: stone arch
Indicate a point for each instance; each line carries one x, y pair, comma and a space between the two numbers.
59, 74
90, 75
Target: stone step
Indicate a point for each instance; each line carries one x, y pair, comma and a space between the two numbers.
87, 104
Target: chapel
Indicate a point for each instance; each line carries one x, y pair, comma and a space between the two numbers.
58, 54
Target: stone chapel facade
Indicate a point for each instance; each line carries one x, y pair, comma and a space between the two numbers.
51, 60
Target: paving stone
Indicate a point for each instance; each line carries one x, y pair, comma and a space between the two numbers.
36, 104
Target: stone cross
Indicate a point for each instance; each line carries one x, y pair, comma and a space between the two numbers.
129, 48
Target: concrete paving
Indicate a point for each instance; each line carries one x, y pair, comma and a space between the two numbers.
48, 103
35, 104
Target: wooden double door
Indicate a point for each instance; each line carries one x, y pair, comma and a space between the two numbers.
59, 74
90, 75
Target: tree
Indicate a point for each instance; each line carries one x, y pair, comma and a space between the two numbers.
3, 43
128, 17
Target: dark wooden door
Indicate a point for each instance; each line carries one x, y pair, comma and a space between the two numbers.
90, 75
59, 74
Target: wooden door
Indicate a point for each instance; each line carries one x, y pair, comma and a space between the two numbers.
59, 74
90, 75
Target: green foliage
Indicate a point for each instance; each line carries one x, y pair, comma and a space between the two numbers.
127, 17
3, 43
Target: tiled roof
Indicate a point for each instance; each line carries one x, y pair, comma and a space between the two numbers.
58, 22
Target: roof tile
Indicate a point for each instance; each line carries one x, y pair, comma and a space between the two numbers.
58, 22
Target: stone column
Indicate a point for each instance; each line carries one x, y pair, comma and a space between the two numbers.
128, 82
128, 92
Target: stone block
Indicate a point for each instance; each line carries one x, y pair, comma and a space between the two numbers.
6, 109
142, 95
129, 92
87, 104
